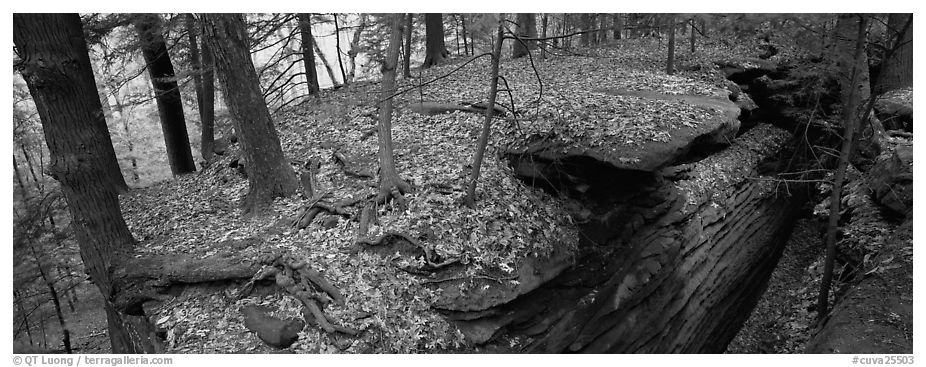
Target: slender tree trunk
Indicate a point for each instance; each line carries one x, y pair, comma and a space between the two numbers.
585, 22
470, 199
207, 138
435, 50
618, 25
543, 44
64, 96
851, 98
195, 61
17, 299
456, 28
692, 35
128, 138
167, 94
35, 178
355, 48
19, 179
466, 45
56, 302
567, 42
321, 56
409, 26
390, 184
602, 28
308, 56
337, 47
269, 173
670, 60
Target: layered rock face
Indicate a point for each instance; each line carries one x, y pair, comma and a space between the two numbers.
676, 244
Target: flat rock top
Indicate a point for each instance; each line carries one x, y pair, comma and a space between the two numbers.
653, 130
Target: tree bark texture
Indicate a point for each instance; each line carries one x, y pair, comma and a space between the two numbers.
204, 80
435, 50
72, 52
269, 174
897, 71
167, 94
207, 138
192, 30
527, 28
389, 178
56, 69
308, 55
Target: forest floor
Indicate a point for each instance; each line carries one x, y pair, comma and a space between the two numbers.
199, 215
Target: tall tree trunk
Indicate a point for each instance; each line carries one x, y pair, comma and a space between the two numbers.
308, 56
67, 102
456, 28
466, 45
692, 35
585, 22
269, 174
567, 42
602, 28
321, 56
390, 184
337, 48
434, 49
167, 94
670, 60
527, 28
470, 199
203, 78
543, 44
409, 26
618, 22
897, 71
207, 138
195, 61
851, 102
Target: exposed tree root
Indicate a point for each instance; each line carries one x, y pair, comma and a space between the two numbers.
315, 206
393, 188
432, 259
304, 283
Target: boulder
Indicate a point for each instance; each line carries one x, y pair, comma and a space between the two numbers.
275, 332
891, 180
895, 110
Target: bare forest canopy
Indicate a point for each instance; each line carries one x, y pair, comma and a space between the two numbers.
450, 182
